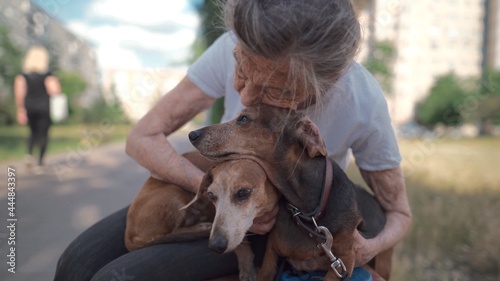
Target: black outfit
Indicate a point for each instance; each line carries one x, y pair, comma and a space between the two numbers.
37, 104
99, 254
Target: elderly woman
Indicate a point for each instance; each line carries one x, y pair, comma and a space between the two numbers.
286, 53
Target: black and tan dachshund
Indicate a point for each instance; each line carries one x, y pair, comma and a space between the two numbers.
322, 207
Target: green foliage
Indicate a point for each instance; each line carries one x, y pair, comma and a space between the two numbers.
211, 29
489, 109
443, 103
101, 111
380, 64
11, 57
453, 101
212, 25
7, 110
489, 97
72, 84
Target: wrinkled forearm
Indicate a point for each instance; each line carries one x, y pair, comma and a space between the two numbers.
147, 142
390, 191
157, 155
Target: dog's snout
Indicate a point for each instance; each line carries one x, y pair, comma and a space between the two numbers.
218, 244
194, 135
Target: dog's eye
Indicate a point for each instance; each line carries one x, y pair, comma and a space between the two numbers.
211, 196
243, 194
242, 119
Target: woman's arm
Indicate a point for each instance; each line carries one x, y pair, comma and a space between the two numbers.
52, 85
20, 89
390, 191
147, 142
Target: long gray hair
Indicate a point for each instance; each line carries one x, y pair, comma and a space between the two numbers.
319, 37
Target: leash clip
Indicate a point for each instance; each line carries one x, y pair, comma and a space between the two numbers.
337, 263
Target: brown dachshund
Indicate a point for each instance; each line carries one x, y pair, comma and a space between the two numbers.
323, 208
240, 191
154, 217
166, 213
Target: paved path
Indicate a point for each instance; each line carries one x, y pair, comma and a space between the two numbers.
52, 209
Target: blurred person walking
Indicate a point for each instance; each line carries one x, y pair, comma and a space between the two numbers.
32, 90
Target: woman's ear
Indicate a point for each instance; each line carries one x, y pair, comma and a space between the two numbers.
310, 137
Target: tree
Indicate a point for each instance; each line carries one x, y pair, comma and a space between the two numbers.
11, 57
444, 103
380, 64
211, 29
484, 107
370, 7
72, 84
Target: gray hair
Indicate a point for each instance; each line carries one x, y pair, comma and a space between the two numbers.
320, 38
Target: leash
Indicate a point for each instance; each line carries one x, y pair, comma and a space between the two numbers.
321, 234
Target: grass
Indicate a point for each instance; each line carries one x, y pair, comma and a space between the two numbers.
13, 139
454, 190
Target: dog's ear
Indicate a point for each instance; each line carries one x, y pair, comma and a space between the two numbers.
202, 190
310, 137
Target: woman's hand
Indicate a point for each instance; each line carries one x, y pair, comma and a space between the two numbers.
22, 117
364, 250
264, 224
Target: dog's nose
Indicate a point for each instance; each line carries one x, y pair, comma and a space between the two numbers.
194, 135
218, 244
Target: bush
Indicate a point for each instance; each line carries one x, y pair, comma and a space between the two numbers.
10, 65
443, 103
101, 110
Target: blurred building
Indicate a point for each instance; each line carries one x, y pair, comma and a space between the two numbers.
137, 90
431, 38
28, 24
492, 34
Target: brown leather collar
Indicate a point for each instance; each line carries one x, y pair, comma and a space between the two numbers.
314, 215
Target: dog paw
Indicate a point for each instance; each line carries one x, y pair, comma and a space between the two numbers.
250, 275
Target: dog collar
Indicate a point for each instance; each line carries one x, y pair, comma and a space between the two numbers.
321, 234
311, 217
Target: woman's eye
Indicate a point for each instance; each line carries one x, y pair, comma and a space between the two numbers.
243, 194
242, 119
212, 196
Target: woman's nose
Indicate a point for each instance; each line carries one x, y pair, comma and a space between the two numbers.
249, 98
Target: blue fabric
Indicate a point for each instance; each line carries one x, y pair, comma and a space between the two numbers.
359, 274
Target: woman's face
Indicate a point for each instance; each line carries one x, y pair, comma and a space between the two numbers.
261, 80
248, 98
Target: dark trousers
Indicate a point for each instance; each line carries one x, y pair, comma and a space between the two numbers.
39, 123
99, 254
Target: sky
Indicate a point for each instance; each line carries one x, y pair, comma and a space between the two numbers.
130, 33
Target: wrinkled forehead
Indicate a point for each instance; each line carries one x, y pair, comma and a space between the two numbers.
262, 70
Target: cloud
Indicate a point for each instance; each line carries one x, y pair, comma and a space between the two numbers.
146, 12
137, 41
131, 34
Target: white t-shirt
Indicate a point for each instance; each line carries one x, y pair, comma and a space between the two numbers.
355, 118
